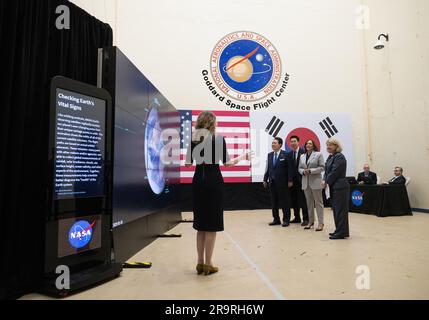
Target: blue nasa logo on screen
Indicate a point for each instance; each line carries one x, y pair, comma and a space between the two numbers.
357, 198
246, 66
80, 234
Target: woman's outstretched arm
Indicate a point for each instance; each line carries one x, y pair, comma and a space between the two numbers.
245, 156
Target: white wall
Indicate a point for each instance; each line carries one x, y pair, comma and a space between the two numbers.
398, 92
332, 64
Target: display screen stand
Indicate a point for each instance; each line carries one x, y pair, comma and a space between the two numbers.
78, 235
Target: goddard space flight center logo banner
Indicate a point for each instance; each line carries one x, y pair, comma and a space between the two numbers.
245, 72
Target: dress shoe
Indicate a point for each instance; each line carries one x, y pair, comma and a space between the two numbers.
208, 270
334, 237
305, 223
200, 268
275, 223
285, 224
296, 221
309, 226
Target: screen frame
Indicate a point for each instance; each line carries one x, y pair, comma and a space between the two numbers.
58, 209
115, 70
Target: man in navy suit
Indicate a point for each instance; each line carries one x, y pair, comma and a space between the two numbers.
279, 178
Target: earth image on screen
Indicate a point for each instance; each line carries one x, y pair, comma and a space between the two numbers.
153, 147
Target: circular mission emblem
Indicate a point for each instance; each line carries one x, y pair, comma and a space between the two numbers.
357, 198
80, 234
245, 66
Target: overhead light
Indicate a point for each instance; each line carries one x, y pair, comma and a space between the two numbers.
380, 44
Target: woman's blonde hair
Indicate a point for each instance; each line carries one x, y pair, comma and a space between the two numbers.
205, 126
336, 143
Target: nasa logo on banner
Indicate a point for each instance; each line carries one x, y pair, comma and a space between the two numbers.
80, 234
357, 198
246, 67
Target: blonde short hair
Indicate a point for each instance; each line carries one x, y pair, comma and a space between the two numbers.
205, 125
336, 143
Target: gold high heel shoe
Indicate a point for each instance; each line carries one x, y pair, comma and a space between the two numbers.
200, 268
208, 270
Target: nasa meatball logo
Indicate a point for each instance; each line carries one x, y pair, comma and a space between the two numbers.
246, 66
357, 198
80, 234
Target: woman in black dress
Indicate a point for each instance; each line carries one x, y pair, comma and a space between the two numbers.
208, 149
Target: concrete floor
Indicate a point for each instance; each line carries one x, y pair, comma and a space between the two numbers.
260, 262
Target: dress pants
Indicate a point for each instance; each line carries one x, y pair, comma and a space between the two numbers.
340, 207
299, 201
314, 200
280, 198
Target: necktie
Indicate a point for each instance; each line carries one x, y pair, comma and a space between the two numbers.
275, 159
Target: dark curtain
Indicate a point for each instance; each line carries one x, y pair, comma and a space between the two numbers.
32, 51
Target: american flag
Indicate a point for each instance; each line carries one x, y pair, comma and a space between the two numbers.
235, 127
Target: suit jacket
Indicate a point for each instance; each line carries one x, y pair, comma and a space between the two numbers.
371, 179
398, 180
335, 172
295, 164
282, 172
316, 164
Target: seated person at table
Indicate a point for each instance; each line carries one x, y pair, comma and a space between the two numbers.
398, 178
367, 176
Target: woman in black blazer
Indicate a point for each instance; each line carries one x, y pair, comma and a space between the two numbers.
339, 188
208, 150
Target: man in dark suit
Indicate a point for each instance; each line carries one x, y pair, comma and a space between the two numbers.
398, 178
297, 194
279, 178
367, 176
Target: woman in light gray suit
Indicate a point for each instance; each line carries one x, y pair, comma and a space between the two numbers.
311, 166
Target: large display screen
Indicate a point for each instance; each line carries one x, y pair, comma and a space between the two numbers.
79, 145
147, 142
